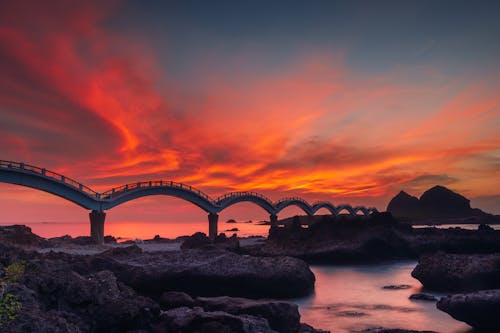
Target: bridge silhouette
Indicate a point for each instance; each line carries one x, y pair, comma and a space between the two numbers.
42, 179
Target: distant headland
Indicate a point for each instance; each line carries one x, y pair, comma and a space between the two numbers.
437, 205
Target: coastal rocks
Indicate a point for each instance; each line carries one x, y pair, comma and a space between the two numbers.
191, 320
97, 300
424, 297
283, 317
339, 240
176, 299
207, 272
200, 240
479, 309
453, 272
397, 286
20, 235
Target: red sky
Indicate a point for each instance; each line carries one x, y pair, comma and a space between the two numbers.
114, 94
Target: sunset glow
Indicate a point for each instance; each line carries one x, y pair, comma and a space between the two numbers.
129, 91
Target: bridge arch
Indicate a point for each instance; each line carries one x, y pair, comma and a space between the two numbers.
287, 202
324, 204
128, 192
233, 198
347, 208
50, 182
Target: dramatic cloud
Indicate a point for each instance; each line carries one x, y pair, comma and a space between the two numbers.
84, 96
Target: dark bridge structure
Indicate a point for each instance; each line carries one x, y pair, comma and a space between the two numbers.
69, 189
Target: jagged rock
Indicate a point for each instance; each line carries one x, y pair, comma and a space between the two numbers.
176, 299
485, 228
283, 317
200, 241
404, 205
397, 286
191, 320
479, 309
207, 272
454, 272
424, 297
101, 303
21, 235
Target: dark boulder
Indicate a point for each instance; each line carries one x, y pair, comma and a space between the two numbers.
479, 309
191, 320
200, 241
455, 272
101, 303
21, 235
207, 273
283, 317
176, 299
424, 297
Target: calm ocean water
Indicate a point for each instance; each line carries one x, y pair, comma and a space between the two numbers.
351, 298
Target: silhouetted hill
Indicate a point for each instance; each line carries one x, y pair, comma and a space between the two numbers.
436, 202
404, 204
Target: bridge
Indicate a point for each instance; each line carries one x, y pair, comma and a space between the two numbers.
42, 179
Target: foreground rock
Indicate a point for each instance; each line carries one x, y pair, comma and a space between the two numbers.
226, 314
479, 309
58, 292
454, 272
53, 298
205, 272
283, 317
21, 235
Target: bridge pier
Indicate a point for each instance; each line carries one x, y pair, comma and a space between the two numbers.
213, 219
273, 218
97, 226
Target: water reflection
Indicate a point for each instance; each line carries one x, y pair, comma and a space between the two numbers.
144, 230
352, 298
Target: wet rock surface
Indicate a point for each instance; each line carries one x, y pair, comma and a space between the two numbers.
479, 309
192, 271
282, 316
455, 272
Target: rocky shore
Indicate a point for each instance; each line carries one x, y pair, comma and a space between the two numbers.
128, 290
198, 287
346, 239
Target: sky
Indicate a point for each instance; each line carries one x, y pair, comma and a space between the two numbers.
345, 101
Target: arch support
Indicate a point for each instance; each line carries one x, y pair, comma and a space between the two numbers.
97, 218
273, 218
213, 219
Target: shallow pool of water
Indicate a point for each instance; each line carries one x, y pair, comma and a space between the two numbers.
352, 298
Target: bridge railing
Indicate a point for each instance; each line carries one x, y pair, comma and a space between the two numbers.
50, 174
291, 199
154, 183
242, 194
